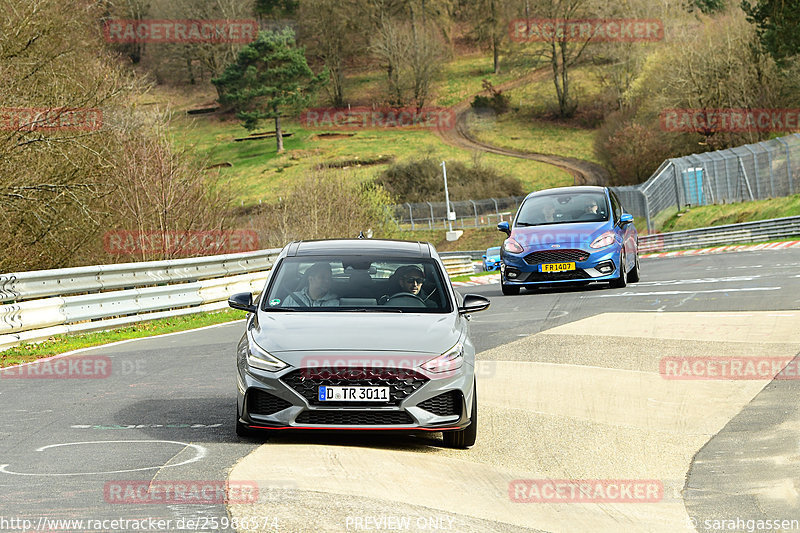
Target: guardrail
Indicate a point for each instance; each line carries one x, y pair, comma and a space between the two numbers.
761, 230
40, 304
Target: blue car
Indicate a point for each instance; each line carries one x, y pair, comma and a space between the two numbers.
569, 235
491, 259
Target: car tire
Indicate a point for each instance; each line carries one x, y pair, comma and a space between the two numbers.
465, 438
622, 279
509, 290
241, 429
633, 275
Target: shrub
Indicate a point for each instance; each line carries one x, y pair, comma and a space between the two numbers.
421, 180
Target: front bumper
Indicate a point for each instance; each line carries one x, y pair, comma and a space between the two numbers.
420, 401
599, 266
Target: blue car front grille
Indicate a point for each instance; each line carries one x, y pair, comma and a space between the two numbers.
556, 256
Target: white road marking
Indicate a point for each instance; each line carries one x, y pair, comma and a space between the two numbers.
201, 452
697, 280
670, 293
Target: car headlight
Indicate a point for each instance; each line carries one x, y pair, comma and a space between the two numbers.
258, 357
606, 239
512, 246
450, 360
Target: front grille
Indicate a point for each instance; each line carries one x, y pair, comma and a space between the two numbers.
556, 256
401, 382
578, 274
446, 404
264, 403
355, 418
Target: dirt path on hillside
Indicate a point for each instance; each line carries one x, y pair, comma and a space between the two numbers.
583, 172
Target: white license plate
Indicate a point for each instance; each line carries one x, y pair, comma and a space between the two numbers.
353, 394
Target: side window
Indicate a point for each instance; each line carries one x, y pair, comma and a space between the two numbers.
615, 205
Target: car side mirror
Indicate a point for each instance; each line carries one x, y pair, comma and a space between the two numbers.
625, 219
473, 303
503, 226
243, 301
483, 256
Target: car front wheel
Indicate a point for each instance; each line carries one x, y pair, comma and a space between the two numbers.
622, 279
633, 275
464, 438
509, 290
241, 429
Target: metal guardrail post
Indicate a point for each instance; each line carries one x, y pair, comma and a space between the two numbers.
410, 215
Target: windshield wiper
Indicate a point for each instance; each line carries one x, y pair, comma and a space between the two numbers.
281, 309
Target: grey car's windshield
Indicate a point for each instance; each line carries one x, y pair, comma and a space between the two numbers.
357, 283
563, 208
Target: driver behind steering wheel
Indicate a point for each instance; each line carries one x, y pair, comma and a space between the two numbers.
407, 279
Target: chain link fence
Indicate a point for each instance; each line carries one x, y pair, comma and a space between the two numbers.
768, 169
469, 213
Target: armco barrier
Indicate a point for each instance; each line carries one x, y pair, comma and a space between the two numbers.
761, 230
47, 302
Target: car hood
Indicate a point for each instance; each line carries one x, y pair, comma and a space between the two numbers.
575, 235
350, 332
494, 258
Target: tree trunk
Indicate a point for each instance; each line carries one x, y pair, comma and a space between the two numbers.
278, 133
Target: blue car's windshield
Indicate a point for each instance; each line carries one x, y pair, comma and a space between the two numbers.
357, 283
563, 208
493, 251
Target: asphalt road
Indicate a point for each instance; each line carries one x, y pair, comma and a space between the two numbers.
162, 410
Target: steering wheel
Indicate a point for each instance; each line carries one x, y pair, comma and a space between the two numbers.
406, 295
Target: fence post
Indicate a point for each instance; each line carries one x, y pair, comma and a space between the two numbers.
677, 190
763, 145
410, 215
746, 181
475, 210
788, 164
727, 176
755, 166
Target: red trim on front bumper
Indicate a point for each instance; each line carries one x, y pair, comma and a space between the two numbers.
340, 428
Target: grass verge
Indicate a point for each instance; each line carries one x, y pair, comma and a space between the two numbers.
65, 343
719, 215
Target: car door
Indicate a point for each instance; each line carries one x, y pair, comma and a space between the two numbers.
627, 232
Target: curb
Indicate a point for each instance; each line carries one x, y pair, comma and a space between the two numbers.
723, 249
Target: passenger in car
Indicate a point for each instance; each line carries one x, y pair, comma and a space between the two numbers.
316, 290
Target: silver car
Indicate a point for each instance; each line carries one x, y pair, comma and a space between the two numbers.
358, 334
